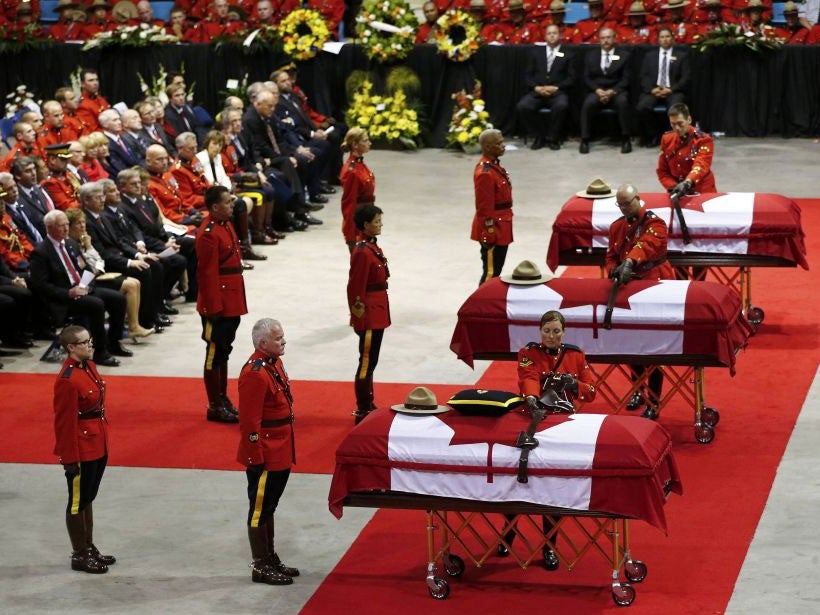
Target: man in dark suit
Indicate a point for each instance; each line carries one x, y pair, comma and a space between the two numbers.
133, 136
34, 201
180, 117
120, 155
172, 265
152, 130
550, 75
143, 212
56, 271
606, 77
122, 256
665, 77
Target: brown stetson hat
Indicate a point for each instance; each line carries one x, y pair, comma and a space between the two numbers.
526, 273
636, 8
420, 400
597, 189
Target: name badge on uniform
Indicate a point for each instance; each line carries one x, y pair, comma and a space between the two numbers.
615, 58
672, 58
559, 54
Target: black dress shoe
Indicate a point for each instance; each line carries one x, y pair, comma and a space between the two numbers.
550, 560
650, 412
306, 217
312, 207
246, 266
584, 147
108, 560
168, 309
626, 146
118, 350
318, 198
300, 225
249, 255
108, 360
163, 321
554, 145
537, 144
219, 414
228, 405
158, 329
635, 402
326, 189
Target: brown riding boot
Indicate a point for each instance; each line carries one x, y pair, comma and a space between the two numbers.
88, 514
216, 410
262, 572
272, 558
82, 559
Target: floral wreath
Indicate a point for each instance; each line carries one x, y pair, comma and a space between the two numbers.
141, 35
458, 36
470, 118
304, 32
386, 29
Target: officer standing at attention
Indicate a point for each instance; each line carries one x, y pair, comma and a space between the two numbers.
368, 302
221, 299
81, 432
492, 224
637, 251
685, 162
266, 445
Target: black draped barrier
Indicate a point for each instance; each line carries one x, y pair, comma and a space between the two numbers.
734, 90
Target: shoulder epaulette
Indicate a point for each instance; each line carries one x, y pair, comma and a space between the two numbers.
361, 245
571, 347
486, 166
651, 214
257, 365
67, 372
210, 226
533, 345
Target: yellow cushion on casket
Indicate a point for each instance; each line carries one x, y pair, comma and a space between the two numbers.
484, 402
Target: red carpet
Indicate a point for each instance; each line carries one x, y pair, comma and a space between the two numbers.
726, 484
160, 422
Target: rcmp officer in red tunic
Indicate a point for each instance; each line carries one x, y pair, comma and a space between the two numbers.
637, 250
369, 306
81, 431
266, 445
685, 162
492, 224
62, 186
221, 298
358, 182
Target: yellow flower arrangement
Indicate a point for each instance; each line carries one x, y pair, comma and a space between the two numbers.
304, 33
470, 118
385, 117
386, 29
457, 37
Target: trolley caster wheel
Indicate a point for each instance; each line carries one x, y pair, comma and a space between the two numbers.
704, 433
710, 417
635, 570
755, 315
453, 565
623, 594
439, 588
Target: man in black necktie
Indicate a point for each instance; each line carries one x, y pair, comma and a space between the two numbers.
665, 77
56, 273
606, 78
123, 256
550, 75
152, 130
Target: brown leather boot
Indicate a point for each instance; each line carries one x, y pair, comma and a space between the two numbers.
88, 513
82, 559
261, 571
272, 558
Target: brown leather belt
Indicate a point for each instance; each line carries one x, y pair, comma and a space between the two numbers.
505, 205
229, 270
92, 414
277, 422
374, 288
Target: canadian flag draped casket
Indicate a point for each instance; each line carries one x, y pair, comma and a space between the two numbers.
619, 465
667, 322
744, 224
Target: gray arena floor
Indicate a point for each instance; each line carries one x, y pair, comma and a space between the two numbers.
180, 540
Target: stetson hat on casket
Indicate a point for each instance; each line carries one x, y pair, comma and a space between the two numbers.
597, 189
557, 6
420, 400
526, 273
675, 4
789, 8
124, 10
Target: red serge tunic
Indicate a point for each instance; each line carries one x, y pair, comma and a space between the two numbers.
265, 414
642, 240
493, 200
367, 287
79, 408
687, 159
535, 361
219, 271
358, 188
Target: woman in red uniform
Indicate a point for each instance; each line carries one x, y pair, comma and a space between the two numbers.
358, 182
81, 444
537, 363
266, 445
369, 306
